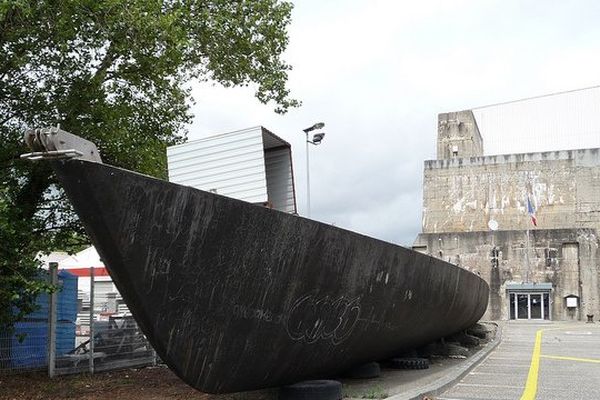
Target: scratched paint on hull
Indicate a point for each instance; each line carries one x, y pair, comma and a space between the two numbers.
238, 297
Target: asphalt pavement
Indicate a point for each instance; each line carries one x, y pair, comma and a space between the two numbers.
536, 360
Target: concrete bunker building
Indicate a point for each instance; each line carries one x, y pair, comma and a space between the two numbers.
475, 215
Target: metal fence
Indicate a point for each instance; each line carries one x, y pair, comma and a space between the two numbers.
83, 327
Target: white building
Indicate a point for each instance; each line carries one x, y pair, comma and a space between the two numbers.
253, 165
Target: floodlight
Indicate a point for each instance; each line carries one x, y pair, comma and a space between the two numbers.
318, 125
318, 137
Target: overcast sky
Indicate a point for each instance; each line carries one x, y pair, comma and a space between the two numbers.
378, 73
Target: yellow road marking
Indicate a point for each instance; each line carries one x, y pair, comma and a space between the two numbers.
532, 378
589, 360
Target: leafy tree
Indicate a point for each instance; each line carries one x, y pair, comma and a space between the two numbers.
116, 72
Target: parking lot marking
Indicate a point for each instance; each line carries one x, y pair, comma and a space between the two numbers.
588, 360
532, 378
489, 386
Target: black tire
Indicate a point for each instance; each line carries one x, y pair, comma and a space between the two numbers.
479, 330
457, 351
464, 339
364, 371
408, 354
470, 340
408, 363
312, 390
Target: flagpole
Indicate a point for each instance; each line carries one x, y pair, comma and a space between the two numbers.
527, 257
531, 212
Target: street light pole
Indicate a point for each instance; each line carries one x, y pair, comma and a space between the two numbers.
307, 178
317, 138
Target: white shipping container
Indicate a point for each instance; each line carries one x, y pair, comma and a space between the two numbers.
252, 164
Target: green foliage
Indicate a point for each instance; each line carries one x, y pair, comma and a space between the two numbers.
115, 72
371, 392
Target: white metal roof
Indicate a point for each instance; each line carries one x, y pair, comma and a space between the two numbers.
558, 121
251, 164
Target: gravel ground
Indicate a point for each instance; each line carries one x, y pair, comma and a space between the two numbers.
153, 383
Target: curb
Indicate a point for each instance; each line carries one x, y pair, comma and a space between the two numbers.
454, 375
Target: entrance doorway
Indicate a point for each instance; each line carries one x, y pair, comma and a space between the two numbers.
529, 305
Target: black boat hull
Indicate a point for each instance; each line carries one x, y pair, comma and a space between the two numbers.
238, 297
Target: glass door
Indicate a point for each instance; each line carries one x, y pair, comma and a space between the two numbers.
529, 305
546, 305
512, 307
522, 306
535, 306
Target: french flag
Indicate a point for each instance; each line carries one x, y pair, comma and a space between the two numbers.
531, 211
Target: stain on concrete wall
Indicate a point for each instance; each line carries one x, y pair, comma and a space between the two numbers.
458, 135
465, 194
567, 258
463, 191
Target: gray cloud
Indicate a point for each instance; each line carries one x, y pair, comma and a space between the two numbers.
378, 73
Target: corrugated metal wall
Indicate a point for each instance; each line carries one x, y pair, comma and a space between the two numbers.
231, 164
280, 182
253, 165
558, 121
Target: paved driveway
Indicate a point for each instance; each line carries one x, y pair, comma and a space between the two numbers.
537, 360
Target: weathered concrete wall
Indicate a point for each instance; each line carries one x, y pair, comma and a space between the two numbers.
567, 258
463, 191
587, 174
458, 135
462, 195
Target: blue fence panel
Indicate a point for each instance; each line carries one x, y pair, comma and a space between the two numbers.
32, 351
67, 297
65, 337
27, 346
66, 305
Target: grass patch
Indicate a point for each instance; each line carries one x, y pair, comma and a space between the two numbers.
374, 392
